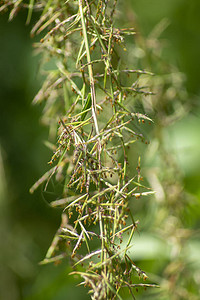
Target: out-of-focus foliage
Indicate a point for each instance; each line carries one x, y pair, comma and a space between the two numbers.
168, 245
173, 218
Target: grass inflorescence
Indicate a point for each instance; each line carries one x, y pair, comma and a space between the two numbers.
89, 95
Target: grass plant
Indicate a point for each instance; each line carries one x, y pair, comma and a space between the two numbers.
88, 98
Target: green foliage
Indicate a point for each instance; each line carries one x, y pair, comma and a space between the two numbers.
90, 103
94, 112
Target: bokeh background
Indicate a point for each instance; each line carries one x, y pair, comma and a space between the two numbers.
28, 223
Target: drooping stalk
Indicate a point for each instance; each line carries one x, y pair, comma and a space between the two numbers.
84, 97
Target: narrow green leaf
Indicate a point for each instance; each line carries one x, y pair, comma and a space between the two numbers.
30, 11
87, 106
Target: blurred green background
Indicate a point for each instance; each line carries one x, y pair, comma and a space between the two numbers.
27, 222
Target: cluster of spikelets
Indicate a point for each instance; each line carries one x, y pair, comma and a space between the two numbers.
88, 97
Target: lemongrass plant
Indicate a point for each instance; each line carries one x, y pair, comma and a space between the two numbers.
89, 95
